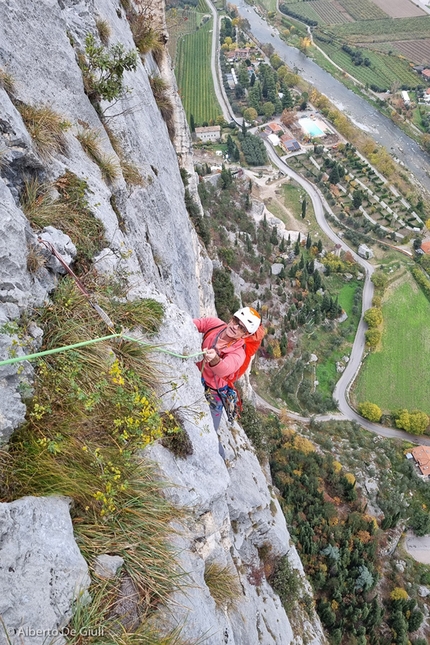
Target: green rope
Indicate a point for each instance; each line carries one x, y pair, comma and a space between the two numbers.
47, 352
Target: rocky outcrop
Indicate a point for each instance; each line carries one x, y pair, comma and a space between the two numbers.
42, 572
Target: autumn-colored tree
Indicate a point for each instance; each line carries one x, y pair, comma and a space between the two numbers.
398, 594
415, 422
372, 336
370, 411
288, 117
373, 317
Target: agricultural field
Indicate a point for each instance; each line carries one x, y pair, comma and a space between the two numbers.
363, 9
414, 28
399, 8
193, 73
383, 71
182, 21
330, 13
397, 376
416, 51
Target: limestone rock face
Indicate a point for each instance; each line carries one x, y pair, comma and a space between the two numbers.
234, 518
41, 569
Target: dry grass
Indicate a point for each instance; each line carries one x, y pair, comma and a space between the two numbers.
146, 38
131, 173
223, 584
46, 128
69, 212
108, 164
160, 91
7, 81
35, 258
104, 30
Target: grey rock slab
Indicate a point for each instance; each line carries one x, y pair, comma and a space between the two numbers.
107, 566
42, 571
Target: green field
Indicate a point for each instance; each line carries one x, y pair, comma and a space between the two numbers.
398, 376
383, 30
383, 71
193, 72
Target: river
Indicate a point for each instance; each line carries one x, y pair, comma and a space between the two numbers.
361, 113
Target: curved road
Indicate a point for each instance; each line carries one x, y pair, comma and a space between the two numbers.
341, 390
362, 113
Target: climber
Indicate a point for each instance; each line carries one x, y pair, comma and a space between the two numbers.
226, 356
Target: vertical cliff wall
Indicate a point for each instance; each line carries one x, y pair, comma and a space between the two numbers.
151, 242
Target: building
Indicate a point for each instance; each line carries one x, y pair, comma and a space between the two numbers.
209, 133
421, 454
425, 246
242, 53
405, 97
289, 143
365, 252
274, 128
274, 139
426, 74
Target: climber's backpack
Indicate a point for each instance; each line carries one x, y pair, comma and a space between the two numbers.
229, 395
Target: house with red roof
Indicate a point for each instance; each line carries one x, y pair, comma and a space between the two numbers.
425, 246
421, 454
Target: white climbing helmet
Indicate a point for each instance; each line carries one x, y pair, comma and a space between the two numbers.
250, 318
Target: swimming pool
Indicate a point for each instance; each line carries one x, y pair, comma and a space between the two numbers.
310, 127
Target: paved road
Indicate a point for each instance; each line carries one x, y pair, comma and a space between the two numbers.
380, 127
227, 112
340, 394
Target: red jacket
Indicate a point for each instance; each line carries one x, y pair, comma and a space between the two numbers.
232, 357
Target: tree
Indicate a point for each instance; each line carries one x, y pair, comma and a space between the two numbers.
420, 522
415, 422
308, 242
192, 123
268, 109
103, 70
373, 317
398, 594
226, 178
380, 280
370, 411
288, 118
373, 337
357, 198
304, 213
334, 175
250, 114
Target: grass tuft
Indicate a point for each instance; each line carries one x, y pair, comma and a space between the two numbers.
130, 171
35, 258
108, 164
223, 584
109, 167
146, 38
7, 82
70, 212
132, 174
46, 128
160, 91
104, 30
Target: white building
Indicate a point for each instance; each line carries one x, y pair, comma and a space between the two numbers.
209, 133
405, 97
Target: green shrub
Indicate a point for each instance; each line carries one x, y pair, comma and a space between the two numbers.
103, 70
285, 581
